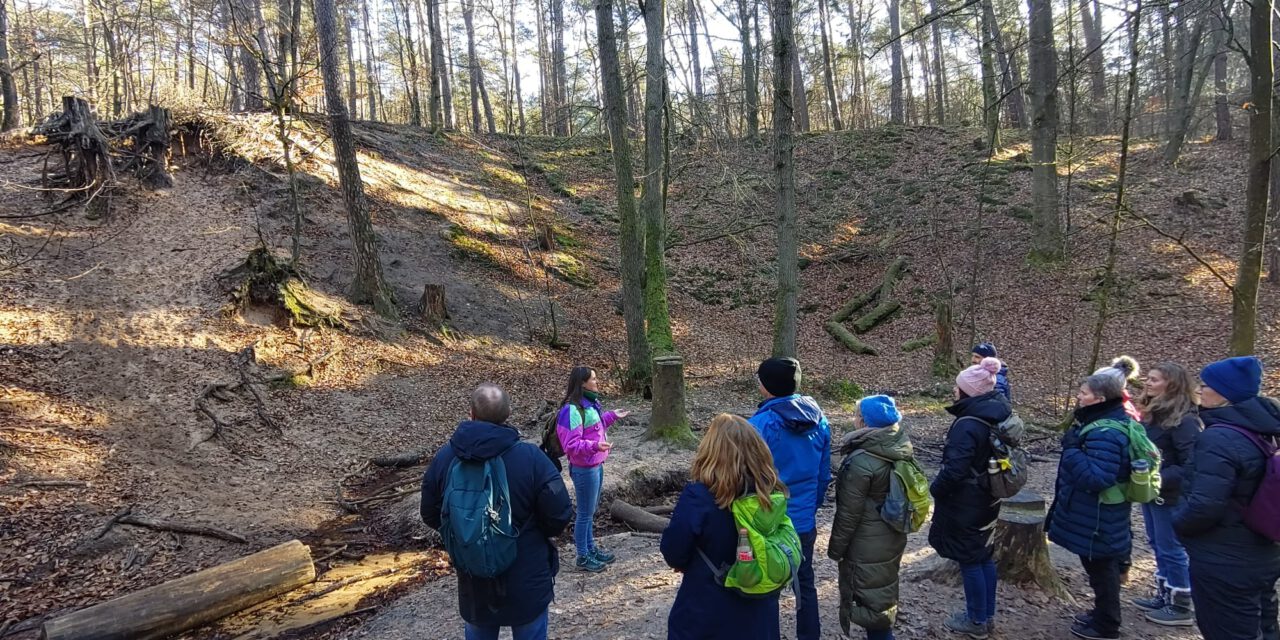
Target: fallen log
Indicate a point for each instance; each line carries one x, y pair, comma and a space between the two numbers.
189, 601
402, 459
876, 316
637, 518
849, 340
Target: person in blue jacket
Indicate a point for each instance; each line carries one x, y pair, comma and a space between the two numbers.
1234, 569
518, 598
988, 350
797, 433
1078, 521
731, 462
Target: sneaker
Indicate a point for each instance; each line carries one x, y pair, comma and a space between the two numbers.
1084, 618
589, 564
1153, 603
960, 623
603, 556
1087, 632
1178, 613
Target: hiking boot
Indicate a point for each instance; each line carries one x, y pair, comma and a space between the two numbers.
603, 556
1083, 618
1158, 599
589, 564
1178, 613
1088, 632
960, 623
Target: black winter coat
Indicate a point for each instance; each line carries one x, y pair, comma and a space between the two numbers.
964, 515
540, 507
1226, 471
1177, 444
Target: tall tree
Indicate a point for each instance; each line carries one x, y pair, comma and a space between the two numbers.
407, 53
695, 61
368, 284
515, 67
1091, 24
1222, 108
828, 72
897, 109
785, 322
349, 45
630, 239
370, 66
990, 97
1046, 236
437, 68
750, 84
939, 68
800, 110
7, 85
476, 73
1187, 84
1244, 305
559, 77
1010, 74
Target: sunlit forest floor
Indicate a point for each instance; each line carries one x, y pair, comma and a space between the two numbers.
113, 332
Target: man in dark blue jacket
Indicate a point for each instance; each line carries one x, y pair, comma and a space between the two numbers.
988, 350
799, 438
540, 509
1233, 568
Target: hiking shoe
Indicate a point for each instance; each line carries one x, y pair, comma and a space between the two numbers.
1178, 613
960, 623
1087, 632
603, 556
1153, 603
589, 564
1083, 618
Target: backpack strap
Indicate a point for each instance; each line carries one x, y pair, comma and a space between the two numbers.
718, 572
1268, 449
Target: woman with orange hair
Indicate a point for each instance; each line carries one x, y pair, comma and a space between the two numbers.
732, 461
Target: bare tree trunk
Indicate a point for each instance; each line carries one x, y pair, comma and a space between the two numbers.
1222, 109
560, 78
370, 66
939, 69
1010, 75
406, 52
828, 72
437, 67
785, 322
800, 109
473, 65
12, 117
699, 108
450, 119
544, 77
990, 98
924, 63
349, 49
1047, 240
1091, 23
750, 84
515, 67
1188, 86
368, 285
91, 51
897, 110
630, 239
1244, 306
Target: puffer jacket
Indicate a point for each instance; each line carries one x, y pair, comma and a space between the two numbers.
799, 438
1176, 444
1225, 472
1078, 521
868, 550
965, 513
581, 430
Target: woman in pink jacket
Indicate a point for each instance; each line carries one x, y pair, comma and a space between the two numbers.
581, 426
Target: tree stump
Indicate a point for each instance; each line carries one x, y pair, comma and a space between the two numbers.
432, 307
668, 421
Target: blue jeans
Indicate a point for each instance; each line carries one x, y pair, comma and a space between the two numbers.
586, 492
1171, 558
979, 591
535, 630
808, 626
886, 634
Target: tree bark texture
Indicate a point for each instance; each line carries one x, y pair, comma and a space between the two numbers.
9, 89
990, 97
1010, 74
368, 284
799, 93
1221, 107
828, 70
897, 110
1047, 239
784, 325
1244, 306
939, 68
750, 83
1091, 23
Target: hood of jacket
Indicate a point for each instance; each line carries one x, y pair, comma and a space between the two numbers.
886, 442
1259, 414
477, 440
991, 407
798, 413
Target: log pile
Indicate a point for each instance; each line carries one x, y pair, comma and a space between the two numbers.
886, 308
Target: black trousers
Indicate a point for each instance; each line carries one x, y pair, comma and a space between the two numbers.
1234, 603
1104, 578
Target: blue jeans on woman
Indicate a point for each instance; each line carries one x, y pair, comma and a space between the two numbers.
586, 492
534, 630
980, 591
1171, 558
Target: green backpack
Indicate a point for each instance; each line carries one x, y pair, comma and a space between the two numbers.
907, 505
1141, 487
774, 545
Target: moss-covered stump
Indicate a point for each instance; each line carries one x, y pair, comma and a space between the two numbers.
263, 279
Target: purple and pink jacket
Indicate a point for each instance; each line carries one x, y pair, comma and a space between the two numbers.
581, 430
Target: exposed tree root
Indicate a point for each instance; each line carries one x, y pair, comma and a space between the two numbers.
263, 279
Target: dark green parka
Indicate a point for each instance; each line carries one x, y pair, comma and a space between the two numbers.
869, 552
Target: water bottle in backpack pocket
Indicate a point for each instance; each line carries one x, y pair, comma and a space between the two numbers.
769, 552
1143, 485
475, 515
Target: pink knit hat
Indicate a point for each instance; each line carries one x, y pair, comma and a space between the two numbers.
980, 378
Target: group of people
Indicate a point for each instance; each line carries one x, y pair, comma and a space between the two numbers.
1212, 569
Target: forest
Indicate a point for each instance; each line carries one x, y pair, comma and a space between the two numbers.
254, 257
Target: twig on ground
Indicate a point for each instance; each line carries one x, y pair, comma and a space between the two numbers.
51, 484
182, 527
102, 531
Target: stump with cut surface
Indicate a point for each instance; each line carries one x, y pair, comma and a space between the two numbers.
190, 601
432, 307
669, 420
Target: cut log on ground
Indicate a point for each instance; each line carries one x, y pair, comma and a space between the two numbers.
886, 308
876, 316
637, 518
189, 601
849, 340
403, 459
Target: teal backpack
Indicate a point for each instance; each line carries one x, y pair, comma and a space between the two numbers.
775, 549
1141, 488
475, 515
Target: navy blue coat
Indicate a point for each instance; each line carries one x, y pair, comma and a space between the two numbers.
1078, 521
540, 507
964, 513
1226, 470
704, 609
1176, 443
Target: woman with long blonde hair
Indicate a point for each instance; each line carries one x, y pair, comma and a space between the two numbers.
732, 461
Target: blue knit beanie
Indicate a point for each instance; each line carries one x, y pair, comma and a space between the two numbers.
986, 350
1236, 379
878, 411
